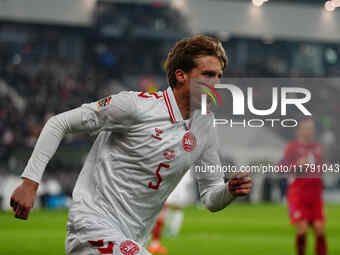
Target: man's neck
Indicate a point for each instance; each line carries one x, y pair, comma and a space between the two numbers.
183, 102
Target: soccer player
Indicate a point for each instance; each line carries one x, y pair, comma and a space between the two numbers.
172, 213
126, 177
304, 193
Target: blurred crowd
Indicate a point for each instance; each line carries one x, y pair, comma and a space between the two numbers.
46, 88
135, 19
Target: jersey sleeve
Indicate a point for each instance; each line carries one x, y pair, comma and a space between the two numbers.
115, 113
214, 192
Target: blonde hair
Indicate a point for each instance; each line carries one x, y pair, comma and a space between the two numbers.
184, 53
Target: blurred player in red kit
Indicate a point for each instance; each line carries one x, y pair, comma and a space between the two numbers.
304, 193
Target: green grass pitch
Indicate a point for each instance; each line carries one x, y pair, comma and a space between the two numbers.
240, 229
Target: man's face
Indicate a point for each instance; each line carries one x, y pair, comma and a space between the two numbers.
207, 72
306, 130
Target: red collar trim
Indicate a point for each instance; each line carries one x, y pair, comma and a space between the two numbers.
168, 105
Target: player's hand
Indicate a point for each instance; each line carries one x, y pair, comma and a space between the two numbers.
23, 198
240, 184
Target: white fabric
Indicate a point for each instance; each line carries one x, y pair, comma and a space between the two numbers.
73, 246
114, 184
184, 194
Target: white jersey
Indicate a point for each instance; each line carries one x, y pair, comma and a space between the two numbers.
142, 150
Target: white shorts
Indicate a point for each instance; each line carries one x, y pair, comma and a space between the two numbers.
94, 236
96, 247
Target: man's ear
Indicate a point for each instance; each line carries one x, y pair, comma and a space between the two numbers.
180, 77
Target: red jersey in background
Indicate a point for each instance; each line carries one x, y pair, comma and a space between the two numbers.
304, 194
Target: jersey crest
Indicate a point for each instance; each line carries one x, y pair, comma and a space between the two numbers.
128, 247
189, 142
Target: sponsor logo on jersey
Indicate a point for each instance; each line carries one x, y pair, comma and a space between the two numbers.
169, 154
157, 134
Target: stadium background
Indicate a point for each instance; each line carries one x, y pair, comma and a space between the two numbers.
56, 55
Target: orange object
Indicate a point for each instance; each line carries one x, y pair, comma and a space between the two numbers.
157, 249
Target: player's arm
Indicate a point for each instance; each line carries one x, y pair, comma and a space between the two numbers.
214, 193
112, 113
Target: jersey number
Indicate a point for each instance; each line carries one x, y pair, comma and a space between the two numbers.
156, 186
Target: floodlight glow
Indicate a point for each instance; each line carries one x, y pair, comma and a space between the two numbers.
329, 6
258, 3
336, 3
